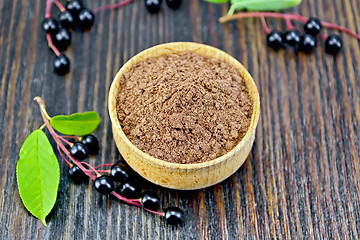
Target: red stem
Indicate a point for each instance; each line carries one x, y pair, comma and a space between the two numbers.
113, 6
125, 199
104, 165
65, 141
286, 17
73, 137
92, 169
59, 5
68, 163
266, 29
51, 45
158, 213
48, 9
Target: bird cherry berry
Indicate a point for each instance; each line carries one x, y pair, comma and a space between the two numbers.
50, 25
174, 4
150, 200
153, 6
91, 143
119, 172
76, 174
174, 215
66, 19
79, 151
61, 64
86, 19
74, 7
274, 40
292, 38
313, 26
104, 184
307, 43
62, 39
333, 44
130, 190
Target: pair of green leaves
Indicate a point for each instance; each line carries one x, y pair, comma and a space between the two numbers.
258, 5
37, 170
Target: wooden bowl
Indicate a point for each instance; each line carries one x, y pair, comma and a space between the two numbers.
175, 175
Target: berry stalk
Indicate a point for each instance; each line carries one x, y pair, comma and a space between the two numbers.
51, 44
112, 6
59, 5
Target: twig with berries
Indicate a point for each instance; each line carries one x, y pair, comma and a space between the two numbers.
41, 167
293, 37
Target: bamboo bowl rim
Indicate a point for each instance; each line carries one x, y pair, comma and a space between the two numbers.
191, 47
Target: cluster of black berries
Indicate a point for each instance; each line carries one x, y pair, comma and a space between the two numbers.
121, 174
75, 15
307, 42
154, 6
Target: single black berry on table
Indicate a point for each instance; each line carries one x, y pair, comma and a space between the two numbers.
174, 215
50, 25
174, 4
76, 174
153, 6
91, 142
307, 43
150, 200
66, 19
79, 151
129, 190
333, 44
313, 26
104, 184
62, 39
61, 64
274, 40
119, 172
74, 7
292, 38
86, 19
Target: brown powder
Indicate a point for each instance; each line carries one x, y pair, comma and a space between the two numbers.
184, 108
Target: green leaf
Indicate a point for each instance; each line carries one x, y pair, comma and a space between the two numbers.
77, 123
262, 5
38, 175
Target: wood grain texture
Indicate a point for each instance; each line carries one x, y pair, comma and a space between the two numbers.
301, 180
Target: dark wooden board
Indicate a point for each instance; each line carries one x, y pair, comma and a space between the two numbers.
301, 180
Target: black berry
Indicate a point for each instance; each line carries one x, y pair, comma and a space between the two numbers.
76, 174
129, 190
174, 4
91, 143
307, 43
61, 64
62, 39
313, 26
50, 25
86, 19
153, 6
74, 7
104, 184
119, 172
292, 38
333, 44
174, 215
150, 200
274, 40
79, 151
66, 19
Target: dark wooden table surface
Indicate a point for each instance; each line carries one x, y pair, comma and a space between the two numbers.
301, 180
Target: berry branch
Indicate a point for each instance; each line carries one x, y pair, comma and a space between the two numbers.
104, 184
286, 17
